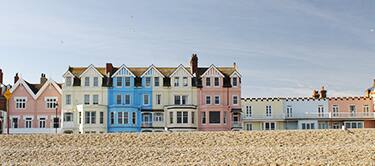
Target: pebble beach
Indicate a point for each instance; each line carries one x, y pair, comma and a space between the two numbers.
315, 147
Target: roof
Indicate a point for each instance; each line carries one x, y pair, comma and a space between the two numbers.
34, 87
77, 71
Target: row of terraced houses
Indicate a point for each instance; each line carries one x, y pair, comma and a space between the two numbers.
113, 99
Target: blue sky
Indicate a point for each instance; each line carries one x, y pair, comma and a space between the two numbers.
282, 48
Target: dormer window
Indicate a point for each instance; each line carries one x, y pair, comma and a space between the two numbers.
96, 81
208, 81
217, 81
119, 82
185, 81
156, 81
68, 81
234, 81
87, 81
148, 81
176, 81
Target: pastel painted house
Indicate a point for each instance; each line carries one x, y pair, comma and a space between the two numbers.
129, 96
219, 99
3, 116
353, 112
85, 99
263, 113
35, 108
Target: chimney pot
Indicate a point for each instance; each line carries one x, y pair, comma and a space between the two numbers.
43, 78
323, 93
194, 64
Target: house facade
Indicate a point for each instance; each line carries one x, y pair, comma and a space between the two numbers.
85, 99
34, 108
3, 103
263, 113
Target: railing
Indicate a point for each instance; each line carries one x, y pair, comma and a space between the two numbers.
236, 124
313, 115
146, 124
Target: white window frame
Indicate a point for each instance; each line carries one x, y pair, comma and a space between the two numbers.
232, 81
148, 81
42, 120
289, 111
248, 126
23, 101
119, 80
269, 123
96, 81
130, 99
218, 85
158, 81
68, 81
320, 111
352, 112
127, 80
148, 99
268, 111
158, 99
235, 96
366, 109
249, 111
93, 99
66, 115
217, 97
28, 121
49, 104
208, 98
84, 99
86, 82
117, 99
176, 82
159, 117
335, 110
185, 81
208, 82
68, 99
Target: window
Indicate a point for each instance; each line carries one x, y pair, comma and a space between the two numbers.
119, 82
234, 81
217, 100
208, 81
366, 110
217, 81
177, 100
118, 99
308, 126
87, 99
42, 122
268, 111
353, 110
192, 117
335, 110
248, 112
95, 99
148, 81
208, 99
14, 122
127, 81
146, 99
127, 99
80, 117
214, 117
171, 117
249, 126
235, 100
96, 81
203, 116
269, 126
176, 81
68, 117
289, 111
225, 117
28, 122
87, 81
134, 117
353, 125
159, 117
184, 100
90, 117
320, 111
156, 81
68, 99
101, 117
323, 125
51, 102
158, 99
182, 117
126, 117
185, 81
21, 103
120, 118
68, 81
112, 118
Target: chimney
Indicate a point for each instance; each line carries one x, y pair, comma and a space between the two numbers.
16, 78
315, 94
108, 68
374, 84
323, 93
368, 93
43, 78
235, 65
1, 76
194, 64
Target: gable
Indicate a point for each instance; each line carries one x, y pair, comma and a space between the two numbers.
123, 71
22, 88
181, 71
48, 87
152, 71
212, 71
91, 71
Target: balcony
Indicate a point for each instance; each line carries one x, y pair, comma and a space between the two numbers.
236, 124
146, 124
309, 115
264, 117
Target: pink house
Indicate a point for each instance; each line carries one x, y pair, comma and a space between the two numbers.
353, 112
219, 97
34, 108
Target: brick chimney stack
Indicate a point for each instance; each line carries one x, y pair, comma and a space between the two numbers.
194, 64
1, 76
323, 93
108, 68
16, 78
43, 78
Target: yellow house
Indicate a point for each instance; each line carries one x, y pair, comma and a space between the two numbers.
262, 113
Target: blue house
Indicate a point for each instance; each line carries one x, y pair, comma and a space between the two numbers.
128, 96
